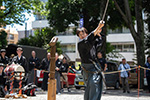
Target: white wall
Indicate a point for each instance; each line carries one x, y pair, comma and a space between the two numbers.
123, 39
67, 39
112, 38
72, 56
120, 38
40, 24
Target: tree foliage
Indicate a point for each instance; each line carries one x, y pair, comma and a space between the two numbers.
138, 35
64, 12
15, 9
3, 41
41, 39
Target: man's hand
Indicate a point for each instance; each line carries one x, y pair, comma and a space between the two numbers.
99, 28
5, 88
57, 69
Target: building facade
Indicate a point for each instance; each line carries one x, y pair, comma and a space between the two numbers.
121, 40
12, 35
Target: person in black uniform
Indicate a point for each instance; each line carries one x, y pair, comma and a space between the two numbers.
103, 63
87, 47
147, 72
33, 63
21, 60
4, 59
3, 85
45, 66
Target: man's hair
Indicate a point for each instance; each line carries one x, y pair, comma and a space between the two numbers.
65, 58
123, 58
99, 52
83, 29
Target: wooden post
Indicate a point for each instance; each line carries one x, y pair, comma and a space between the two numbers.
51, 81
138, 80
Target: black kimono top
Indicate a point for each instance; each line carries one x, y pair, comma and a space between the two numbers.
22, 61
87, 48
45, 64
31, 65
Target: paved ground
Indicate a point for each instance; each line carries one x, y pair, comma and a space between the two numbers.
78, 95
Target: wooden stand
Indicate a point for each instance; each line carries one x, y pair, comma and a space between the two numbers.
51, 81
52, 89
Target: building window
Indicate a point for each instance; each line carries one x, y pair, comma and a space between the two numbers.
68, 48
11, 37
124, 48
39, 17
119, 30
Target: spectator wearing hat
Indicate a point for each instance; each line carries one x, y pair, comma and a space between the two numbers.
4, 59
3, 85
21, 60
124, 75
147, 72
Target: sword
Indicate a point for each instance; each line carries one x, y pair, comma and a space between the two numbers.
102, 21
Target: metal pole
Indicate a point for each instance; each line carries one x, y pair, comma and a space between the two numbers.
138, 80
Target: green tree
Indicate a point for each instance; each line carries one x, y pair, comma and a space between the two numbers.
64, 12
3, 41
138, 35
41, 39
15, 9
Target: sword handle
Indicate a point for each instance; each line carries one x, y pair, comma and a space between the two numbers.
99, 28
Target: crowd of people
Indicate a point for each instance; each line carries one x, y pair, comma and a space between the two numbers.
30, 65
62, 69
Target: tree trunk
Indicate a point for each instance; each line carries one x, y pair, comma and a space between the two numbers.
86, 19
140, 60
140, 39
139, 35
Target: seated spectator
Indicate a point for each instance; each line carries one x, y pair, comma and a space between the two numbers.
64, 70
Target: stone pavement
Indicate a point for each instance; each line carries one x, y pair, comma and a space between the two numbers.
78, 95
